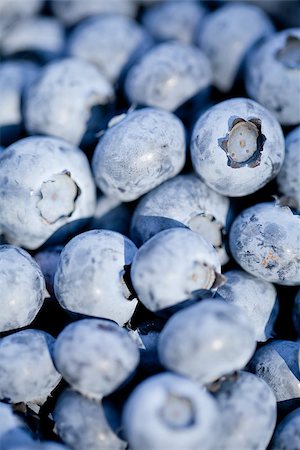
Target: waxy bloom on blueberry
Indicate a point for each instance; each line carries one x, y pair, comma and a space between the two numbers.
237, 147
97, 285
168, 75
265, 241
45, 183
138, 153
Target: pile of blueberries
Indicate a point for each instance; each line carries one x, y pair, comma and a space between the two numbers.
149, 225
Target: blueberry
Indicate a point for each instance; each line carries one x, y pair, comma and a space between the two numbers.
95, 356
258, 298
98, 38
81, 424
45, 183
232, 147
277, 364
287, 434
170, 412
27, 373
206, 341
22, 287
138, 153
168, 75
48, 259
247, 408
173, 20
173, 266
288, 177
43, 35
8, 420
96, 286
273, 75
15, 76
111, 214
296, 312
72, 11
265, 241
182, 201
227, 35
13, 431
16, 9
60, 101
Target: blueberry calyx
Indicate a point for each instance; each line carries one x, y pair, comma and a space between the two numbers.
289, 55
243, 144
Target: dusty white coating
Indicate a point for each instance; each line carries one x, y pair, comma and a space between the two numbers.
247, 409
81, 424
255, 296
60, 101
95, 356
137, 154
265, 241
226, 36
98, 38
43, 34
14, 77
27, 373
22, 288
214, 163
173, 20
24, 168
172, 266
287, 433
15, 8
168, 75
207, 340
170, 412
277, 364
8, 420
288, 179
273, 75
89, 278
72, 11
183, 200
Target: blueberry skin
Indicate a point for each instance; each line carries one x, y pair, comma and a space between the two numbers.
22, 288
8, 420
172, 267
59, 102
81, 423
71, 12
206, 341
168, 75
13, 8
287, 435
15, 76
45, 183
182, 201
288, 177
277, 364
273, 75
296, 312
169, 411
13, 431
258, 299
170, 20
247, 408
265, 241
227, 35
48, 260
97, 38
237, 147
95, 356
27, 373
96, 286
111, 214
44, 35
142, 150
